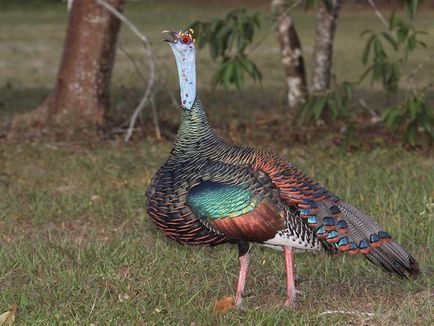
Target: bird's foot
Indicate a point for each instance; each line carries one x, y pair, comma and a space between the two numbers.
238, 302
289, 303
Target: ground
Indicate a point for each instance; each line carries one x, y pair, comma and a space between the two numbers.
76, 244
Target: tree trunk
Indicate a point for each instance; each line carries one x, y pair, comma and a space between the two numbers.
81, 95
292, 56
323, 49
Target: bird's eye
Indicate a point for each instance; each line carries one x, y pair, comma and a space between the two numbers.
185, 40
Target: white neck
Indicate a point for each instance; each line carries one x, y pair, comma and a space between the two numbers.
186, 62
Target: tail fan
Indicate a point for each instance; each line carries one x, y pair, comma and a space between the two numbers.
369, 238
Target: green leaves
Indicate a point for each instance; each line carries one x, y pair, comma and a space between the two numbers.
228, 39
401, 37
331, 105
412, 6
389, 38
414, 115
231, 72
405, 35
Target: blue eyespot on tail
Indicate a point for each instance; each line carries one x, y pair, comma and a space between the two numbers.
344, 244
332, 237
312, 221
342, 227
329, 223
354, 248
321, 233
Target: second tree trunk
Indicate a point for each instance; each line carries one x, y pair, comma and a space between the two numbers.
292, 56
323, 49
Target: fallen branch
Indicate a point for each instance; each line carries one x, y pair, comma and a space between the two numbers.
151, 81
358, 313
374, 115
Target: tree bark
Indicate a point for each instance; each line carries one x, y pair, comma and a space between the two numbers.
81, 95
292, 56
323, 49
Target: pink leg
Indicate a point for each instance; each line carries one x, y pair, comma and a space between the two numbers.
289, 267
244, 266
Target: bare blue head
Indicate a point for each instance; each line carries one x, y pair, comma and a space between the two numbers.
184, 50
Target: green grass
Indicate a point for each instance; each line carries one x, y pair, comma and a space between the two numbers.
76, 244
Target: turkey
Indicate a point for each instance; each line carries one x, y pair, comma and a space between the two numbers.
210, 192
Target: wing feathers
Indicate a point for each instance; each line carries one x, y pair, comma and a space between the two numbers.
241, 205
259, 225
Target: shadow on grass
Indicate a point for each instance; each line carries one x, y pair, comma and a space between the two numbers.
15, 101
255, 116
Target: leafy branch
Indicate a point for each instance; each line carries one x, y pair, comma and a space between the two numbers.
414, 115
402, 38
332, 104
228, 39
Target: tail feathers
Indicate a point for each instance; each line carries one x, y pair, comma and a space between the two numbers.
395, 259
367, 237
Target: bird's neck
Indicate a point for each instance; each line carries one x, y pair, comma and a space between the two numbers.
194, 131
186, 63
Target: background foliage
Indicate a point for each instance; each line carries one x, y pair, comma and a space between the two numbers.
384, 55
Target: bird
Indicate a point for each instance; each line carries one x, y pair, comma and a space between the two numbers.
210, 192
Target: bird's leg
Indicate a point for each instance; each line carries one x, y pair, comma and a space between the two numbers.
244, 256
289, 267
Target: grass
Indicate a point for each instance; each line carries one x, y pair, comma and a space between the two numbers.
76, 244
78, 247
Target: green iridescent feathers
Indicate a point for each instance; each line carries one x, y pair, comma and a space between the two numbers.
214, 200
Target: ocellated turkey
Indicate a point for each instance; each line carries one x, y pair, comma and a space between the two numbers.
210, 192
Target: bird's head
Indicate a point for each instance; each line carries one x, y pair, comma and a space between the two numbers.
182, 43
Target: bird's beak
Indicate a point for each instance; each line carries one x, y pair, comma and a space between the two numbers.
173, 36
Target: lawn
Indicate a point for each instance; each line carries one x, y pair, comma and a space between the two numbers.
76, 244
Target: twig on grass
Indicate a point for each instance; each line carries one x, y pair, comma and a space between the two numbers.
344, 312
94, 303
